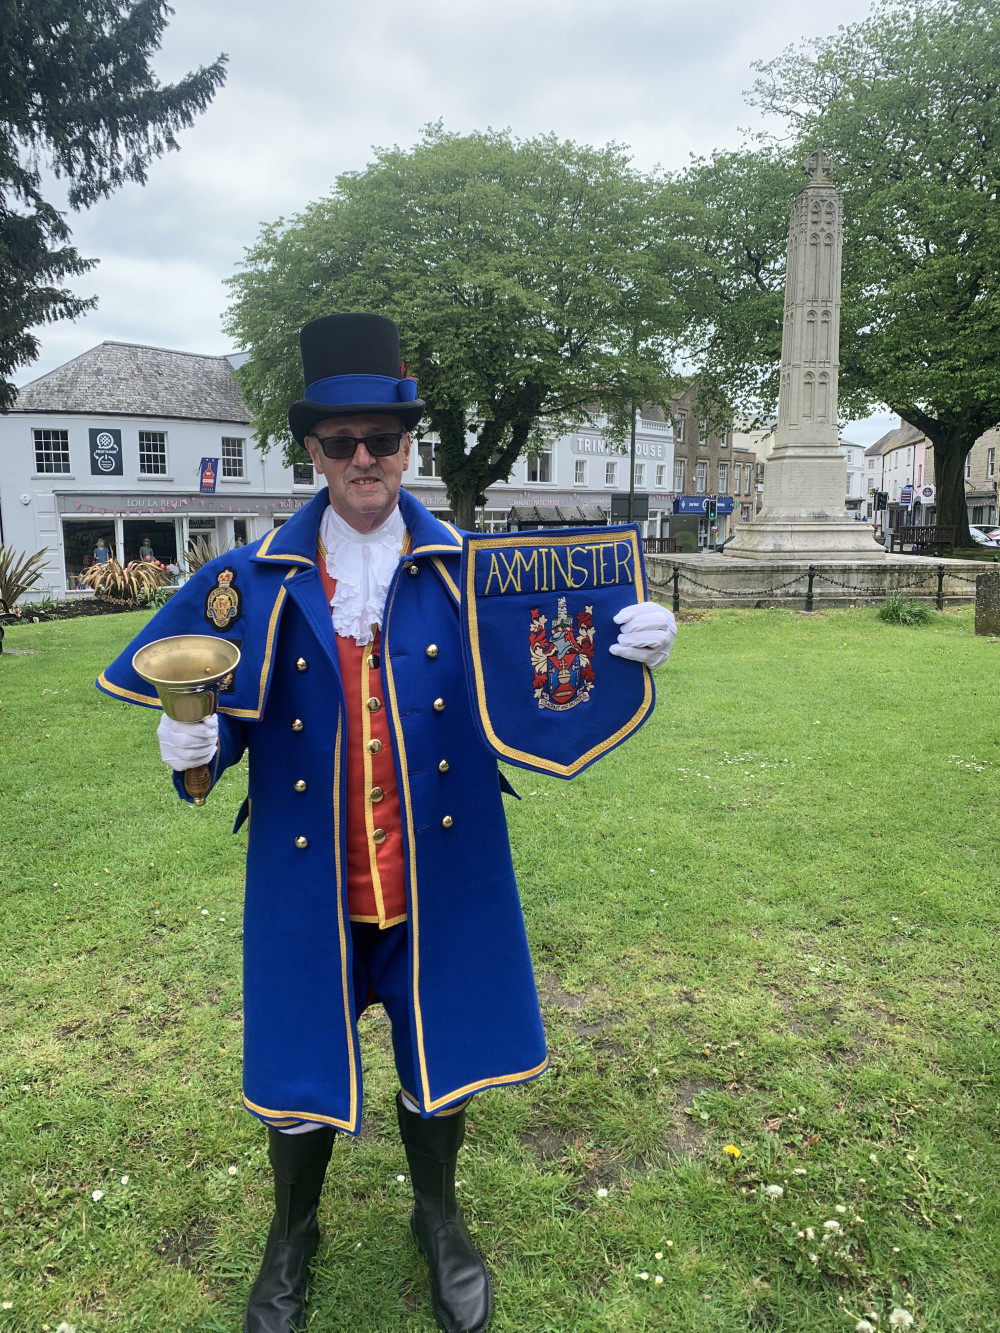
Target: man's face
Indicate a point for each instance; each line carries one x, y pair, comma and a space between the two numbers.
363, 489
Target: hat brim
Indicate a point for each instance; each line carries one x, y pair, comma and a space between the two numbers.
303, 415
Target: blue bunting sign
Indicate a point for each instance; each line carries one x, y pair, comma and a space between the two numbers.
538, 618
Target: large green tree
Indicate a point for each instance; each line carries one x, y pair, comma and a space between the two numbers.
532, 281
907, 104
77, 96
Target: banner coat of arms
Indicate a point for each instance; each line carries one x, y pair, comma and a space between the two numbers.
538, 617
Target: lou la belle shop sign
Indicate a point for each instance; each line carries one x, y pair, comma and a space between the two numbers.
117, 506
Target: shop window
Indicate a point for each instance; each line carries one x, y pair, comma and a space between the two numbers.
152, 453
51, 451
233, 457
86, 543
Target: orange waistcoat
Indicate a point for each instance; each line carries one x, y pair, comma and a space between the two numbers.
376, 875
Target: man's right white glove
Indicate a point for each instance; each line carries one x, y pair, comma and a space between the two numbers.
188, 744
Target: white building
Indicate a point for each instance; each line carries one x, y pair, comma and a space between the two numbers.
854, 456
127, 442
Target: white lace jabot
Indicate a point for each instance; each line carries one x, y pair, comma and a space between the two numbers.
362, 563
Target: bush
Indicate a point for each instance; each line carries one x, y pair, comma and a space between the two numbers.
18, 573
134, 582
897, 610
200, 551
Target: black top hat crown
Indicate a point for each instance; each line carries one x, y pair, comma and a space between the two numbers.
351, 367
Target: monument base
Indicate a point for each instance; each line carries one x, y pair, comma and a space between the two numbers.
833, 535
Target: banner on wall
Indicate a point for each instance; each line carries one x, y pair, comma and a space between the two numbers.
106, 453
208, 475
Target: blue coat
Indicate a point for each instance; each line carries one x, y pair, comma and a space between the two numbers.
474, 1014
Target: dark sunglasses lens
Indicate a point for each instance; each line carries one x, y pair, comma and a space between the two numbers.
380, 446
338, 446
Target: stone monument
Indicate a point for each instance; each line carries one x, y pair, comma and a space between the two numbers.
805, 479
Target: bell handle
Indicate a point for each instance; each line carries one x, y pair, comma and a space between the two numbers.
198, 783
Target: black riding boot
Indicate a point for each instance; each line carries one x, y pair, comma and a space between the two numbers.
278, 1297
461, 1292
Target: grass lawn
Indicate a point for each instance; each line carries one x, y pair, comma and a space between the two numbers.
768, 922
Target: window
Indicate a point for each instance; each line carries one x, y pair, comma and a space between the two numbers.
759, 470
978, 513
302, 474
201, 525
702, 478
679, 475
723, 476
661, 476
736, 478
232, 456
51, 450
611, 474
680, 421
745, 513
580, 472
968, 466
540, 467
747, 478
152, 453
724, 440
640, 474
991, 459
428, 464
703, 432
871, 464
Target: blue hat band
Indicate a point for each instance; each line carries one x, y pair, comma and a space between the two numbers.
345, 390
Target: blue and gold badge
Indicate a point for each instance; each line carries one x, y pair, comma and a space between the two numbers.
538, 617
224, 603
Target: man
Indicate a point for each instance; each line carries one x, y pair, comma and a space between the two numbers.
378, 865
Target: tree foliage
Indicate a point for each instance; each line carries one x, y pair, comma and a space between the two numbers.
532, 281
78, 97
907, 104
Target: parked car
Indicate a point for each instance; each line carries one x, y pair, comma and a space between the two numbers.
984, 538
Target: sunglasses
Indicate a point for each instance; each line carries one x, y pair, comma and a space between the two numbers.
345, 446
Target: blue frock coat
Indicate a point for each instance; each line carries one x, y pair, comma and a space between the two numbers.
474, 1014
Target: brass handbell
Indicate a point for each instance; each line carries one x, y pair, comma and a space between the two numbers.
186, 671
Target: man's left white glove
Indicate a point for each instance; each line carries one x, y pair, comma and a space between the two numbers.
647, 633
188, 744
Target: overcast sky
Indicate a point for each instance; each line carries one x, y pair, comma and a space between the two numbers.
312, 86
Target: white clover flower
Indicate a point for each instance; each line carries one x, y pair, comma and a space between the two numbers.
97, 1195
602, 1193
204, 911
840, 1208
832, 1225
801, 1235
810, 1233
65, 1328
814, 1258
799, 1171
863, 1326
232, 1170
774, 1191
900, 1319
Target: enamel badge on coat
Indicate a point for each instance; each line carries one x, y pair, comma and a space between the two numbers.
538, 618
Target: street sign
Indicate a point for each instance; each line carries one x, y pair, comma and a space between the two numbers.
905, 496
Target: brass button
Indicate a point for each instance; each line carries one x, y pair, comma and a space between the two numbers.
379, 836
373, 704
413, 570
376, 794
373, 662
300, 785
447, 821
432, 650
439, 705
297, 724
443, 766
301, 842
301, 664
375, 746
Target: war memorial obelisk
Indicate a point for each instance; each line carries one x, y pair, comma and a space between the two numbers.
805, 480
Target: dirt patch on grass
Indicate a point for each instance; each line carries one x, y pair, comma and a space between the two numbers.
184, 1248
548, 1144
552, 995
684, 1135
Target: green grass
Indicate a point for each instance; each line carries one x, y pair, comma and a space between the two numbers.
769, 921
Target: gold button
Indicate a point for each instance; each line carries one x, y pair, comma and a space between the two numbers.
301, 664
431, 650
300, 785
297, 724
375, 747
443, 766
376, 794
447, 821
302, 842
373, 662
439, 705
379, 836
413, 570
373, 704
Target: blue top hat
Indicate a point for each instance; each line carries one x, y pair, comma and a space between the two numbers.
352, 368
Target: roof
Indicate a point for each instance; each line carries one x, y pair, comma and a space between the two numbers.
548, 516
128, 379
904, 433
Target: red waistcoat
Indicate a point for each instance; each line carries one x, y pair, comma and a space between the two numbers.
376, 876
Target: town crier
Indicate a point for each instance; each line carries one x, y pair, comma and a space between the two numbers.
378, 867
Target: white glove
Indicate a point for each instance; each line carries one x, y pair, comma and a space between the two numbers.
647, 633
188, 744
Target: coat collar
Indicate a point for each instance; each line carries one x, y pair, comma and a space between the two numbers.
294, 543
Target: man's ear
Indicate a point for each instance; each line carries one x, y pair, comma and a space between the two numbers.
407, 440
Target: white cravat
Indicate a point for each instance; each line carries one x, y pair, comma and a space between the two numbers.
362, 563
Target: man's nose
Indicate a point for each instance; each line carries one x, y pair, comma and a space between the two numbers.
362, 457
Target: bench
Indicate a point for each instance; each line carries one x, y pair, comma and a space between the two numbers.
919, 539
659, 545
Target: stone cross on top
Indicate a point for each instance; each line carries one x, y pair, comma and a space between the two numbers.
816, 167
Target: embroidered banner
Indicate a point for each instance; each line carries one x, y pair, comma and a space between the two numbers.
537, 618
